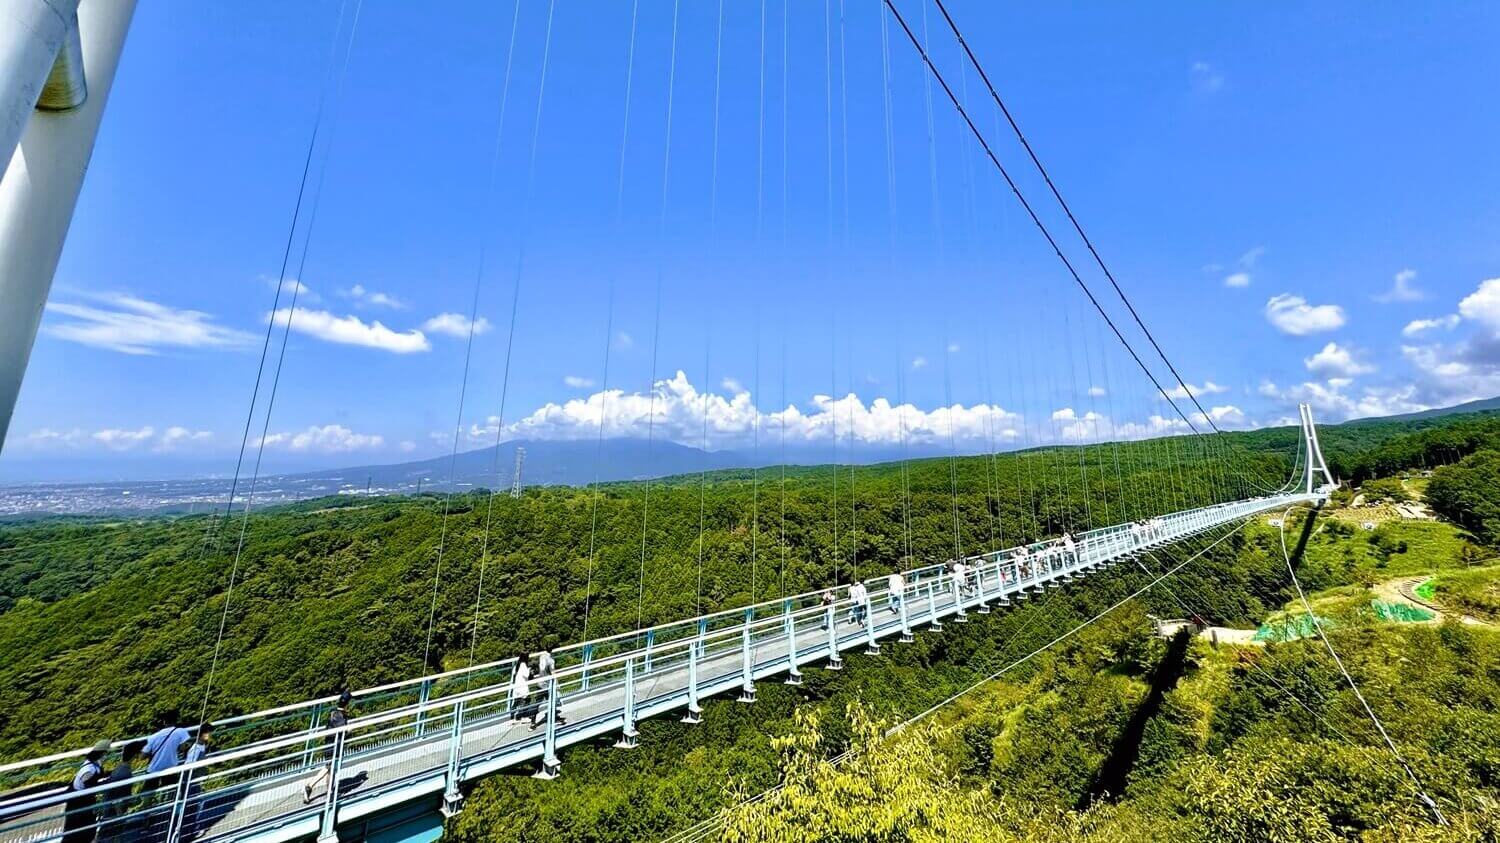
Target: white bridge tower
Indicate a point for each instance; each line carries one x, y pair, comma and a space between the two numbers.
1316, 474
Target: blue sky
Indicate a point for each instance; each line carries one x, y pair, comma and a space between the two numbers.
1303, 202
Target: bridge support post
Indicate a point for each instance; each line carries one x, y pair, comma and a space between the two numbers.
906, 636
831, 621
179, 808
794, 675
422, 696
747, 659
327, 826
872, 646
932, 606
958, 601
551, 766
588, 658
628, 734
453, 798
984, 607
694, 713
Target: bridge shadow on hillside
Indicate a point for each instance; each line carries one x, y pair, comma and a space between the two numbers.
1307, 531
1109, 782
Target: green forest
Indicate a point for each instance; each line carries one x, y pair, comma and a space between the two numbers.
1113, 734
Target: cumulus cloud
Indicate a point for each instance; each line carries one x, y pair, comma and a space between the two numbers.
327, 439
1420, 326
292, 287
1208, 388
124, 440
676, 410
132, 325
114, 438
455, 325
577, 381
1333, 400
364, 297
1483, 305
1293, 315
177, 436
1401, 289
351, 330
1336, 361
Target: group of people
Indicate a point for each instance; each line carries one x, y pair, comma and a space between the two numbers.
1148, 529
91, 815
528, 690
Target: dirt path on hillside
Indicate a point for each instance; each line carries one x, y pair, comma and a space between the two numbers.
1404, 590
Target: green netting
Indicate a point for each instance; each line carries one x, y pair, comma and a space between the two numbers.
1399, 612
1427, 590
1289, 628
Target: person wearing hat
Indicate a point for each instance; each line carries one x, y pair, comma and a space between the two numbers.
79, 816
337, 719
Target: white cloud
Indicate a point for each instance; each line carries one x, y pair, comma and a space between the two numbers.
1419, 326
407, 446
1483, 305
328, 439
1205, 78
351, 330
176, 436
1336, 361
1293, 315
132, 325
577, 381
1402, 290
455, 325
1249, 258
918, 362
1208, 388
1097, 392
953, 348
1238, 279
732, 385
123, 440
1331, 401
364, 297
115, 438
292, 287
624, 341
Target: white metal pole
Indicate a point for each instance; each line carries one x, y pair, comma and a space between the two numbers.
32, 34
40, 186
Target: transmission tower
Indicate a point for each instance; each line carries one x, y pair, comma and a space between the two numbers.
515, 480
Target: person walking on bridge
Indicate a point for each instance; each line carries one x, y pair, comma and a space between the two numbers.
827, 603
520, 690
895, 586
859, 600
545, 667
337, 719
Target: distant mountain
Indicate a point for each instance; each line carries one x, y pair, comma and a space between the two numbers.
545, 464
1483, 405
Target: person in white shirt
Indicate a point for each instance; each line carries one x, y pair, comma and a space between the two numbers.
520, 689
80, 816
164, 746
859, 598
895, 585
545, 667
1070, 547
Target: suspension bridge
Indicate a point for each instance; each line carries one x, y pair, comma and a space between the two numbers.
416, 743
282, 774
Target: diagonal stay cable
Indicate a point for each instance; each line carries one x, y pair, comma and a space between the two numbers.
1427, 800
